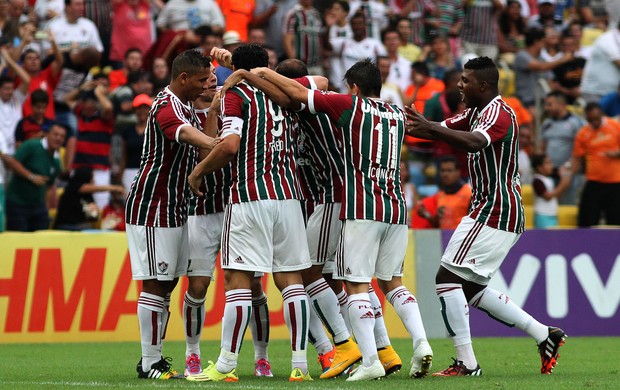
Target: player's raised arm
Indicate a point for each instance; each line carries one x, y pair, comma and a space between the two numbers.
272, 91
293, 89
418, 126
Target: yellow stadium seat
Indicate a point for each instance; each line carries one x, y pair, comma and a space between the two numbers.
527, 194
567, 216
529, 216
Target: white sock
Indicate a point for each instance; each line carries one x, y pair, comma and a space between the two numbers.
343, 301
381, 336
193, 318
407, 309
165, 316
317, 335
455, 313
501, 308
363, 322
297, 316
325, 304
237, 313
259, 327
150, 309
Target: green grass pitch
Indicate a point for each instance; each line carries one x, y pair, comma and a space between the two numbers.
511, 363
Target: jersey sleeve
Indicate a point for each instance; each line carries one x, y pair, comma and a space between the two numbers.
171, 120
332, 104
460, 121
494, 125
539, 187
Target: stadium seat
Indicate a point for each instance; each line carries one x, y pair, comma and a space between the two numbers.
567, 216
527, 194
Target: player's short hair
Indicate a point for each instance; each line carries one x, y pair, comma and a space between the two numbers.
292, 68
537, 160
484, 70
249, 56
190, 62
365, 74
39, 96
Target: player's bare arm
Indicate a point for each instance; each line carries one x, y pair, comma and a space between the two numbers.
210, 128
418, 126
193, 136
272, 91
223, 56
219, 157
293, 89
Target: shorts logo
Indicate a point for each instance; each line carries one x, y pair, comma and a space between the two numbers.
162, 266
409, 300
378, 314
367, 315
348, 271
239, 260
472, 261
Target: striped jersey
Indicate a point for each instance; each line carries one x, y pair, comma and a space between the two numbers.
264, 167
305, 25
372, 132
94, 140
215, 186
496, 187
320, 153
159, 193
480, 24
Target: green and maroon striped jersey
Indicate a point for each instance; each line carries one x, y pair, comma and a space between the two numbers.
264, 167
494, 171
373, 133
159, 194
306, 25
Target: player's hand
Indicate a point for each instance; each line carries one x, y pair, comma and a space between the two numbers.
216, 105
223, 56
414, 122
195, 182
232, 80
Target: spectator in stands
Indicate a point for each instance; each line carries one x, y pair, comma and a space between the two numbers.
94, 113
73, 31
601, 74
610, 103
546, 193
269, 15
238, 15
525, 149
448, 23
257, 35
132, 62
439, 58
76, 208
528, 68
480, 29
137, 83
35, 167
613, 13
206, 39
375, 15
408, 190
339, 28
302, 36
35, 125
597, 144
567, 76
160, 75
511, 33
408, 50
400, 68
450, 204
46, 10
390, 92
132, 138
11, 101
183, 15
131, 18
547, 16
422, 87
230, 41
3, 152
551, 45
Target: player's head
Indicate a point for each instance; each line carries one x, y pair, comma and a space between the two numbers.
192, 74
292, 68
479, 81
250, 56
364, 78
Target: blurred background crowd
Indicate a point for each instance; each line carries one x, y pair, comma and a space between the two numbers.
77, 79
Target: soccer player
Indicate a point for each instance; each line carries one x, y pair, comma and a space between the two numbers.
263, 223
205, 222
156, 208
374, 232
488, 130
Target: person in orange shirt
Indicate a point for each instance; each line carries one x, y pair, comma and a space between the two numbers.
132, 62
598, 144
238, 15
423, 86
450, 204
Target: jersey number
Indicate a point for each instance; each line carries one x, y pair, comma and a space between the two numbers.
393, 146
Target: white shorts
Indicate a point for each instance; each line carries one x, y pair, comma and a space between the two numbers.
323, 233
370, 248
157, 252
476, 251
205, 237
264, 236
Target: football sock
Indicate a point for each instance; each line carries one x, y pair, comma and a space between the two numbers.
317, 335
237, 313
150, 309
343, 301
380, 331
501, 308
165, 316
193, 318
363, 322
455, 313
325, 304
406, 307
296, 315
259, 327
